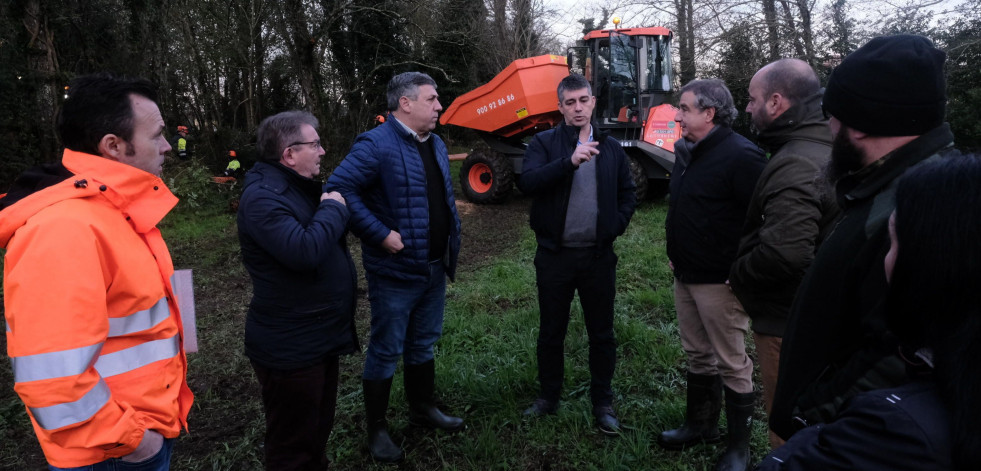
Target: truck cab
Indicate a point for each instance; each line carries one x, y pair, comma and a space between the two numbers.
631, 76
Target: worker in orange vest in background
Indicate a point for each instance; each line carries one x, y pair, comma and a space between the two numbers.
93, 326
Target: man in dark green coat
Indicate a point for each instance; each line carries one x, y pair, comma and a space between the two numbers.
789, 210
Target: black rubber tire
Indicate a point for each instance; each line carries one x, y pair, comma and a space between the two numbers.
486, 177
640, 179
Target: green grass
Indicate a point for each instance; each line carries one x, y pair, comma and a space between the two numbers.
486, 369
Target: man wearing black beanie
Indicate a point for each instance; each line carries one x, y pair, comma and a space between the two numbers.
886, 103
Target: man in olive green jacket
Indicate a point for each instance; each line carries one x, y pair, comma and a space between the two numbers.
789, 212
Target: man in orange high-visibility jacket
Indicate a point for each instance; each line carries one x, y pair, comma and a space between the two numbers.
93, 329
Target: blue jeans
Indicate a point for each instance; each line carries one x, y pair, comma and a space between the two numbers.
406, 317
158, 462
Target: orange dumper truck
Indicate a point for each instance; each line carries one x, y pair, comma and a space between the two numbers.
631, 76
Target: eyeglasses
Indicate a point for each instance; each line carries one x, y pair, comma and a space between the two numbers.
315, 144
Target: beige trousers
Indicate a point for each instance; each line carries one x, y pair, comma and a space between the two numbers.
713, 329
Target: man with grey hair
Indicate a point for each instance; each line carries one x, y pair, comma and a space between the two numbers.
396, 179
301, 317
789, 212
584, 198
712, 182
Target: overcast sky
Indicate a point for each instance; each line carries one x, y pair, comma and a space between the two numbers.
566, 27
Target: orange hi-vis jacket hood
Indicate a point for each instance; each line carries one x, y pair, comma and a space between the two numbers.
93, 329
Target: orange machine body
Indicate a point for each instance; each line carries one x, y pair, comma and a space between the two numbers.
519, 99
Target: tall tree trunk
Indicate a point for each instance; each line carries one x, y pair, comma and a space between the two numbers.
501, 34
257, 15
841, 31
805, 32
772, 33
304, 54
686, 40
43, 64
525, 44
148, 35
792, 28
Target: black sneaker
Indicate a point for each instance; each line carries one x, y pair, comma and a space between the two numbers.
541, 407
606, 421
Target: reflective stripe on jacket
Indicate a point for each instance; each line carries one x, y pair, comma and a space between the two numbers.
93, 328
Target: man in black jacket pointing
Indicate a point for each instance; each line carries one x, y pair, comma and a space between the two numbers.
583, 199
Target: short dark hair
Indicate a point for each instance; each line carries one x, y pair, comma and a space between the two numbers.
792, 78
933, 299
713, 93
573, 82
406, 84
280, 130
97, 105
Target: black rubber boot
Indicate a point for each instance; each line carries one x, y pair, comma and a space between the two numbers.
380, 444
701, 417
739, 416
420, 383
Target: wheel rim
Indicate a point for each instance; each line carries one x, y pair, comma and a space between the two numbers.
481, 178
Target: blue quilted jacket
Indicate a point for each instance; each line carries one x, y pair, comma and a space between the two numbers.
384, 183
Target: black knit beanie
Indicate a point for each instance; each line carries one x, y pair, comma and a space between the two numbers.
891, 86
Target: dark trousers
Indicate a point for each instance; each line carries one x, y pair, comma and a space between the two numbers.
299, 406
560, 274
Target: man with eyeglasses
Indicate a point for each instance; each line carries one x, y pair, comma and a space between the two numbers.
396, 179
301, 318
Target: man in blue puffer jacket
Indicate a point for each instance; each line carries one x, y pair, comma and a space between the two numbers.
396, 180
